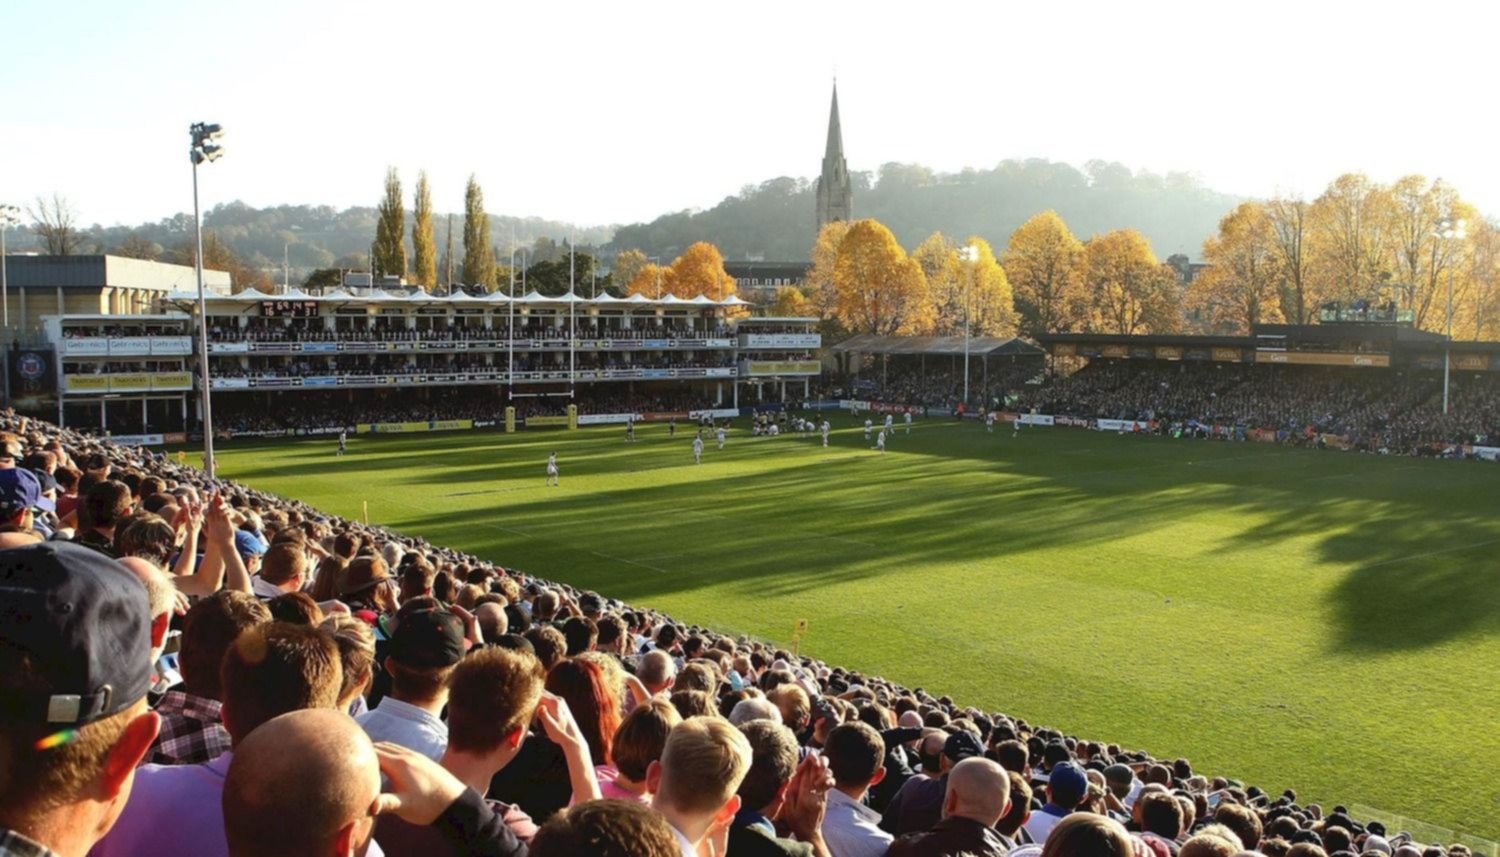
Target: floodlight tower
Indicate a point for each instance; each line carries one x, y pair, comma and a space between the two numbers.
205, 149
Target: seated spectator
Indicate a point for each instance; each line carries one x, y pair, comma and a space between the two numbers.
694, 785
977, 797
73, 718
192, 731
425, 645
270, 670
856, 757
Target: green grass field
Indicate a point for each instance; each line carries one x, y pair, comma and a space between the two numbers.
1317, 620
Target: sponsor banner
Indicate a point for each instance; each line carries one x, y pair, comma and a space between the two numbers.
1322, 358
823, 405
656, 373
172, 381
783, 367
319, 347
138, 439
691, 373
88, 346
275, 382
404, 428
854, 404
781, 340
485, 423
1229, 355
1064, 349
559, 421
1168, 352
1142, 352
1488, 453
1196, 354
1037, 420
362, 346
86, 383
1114, 351
273, 347
656, 343
724, 413
660, 416
229, 348
230, 383
174, 437
604, 419
320, 381
1470, 362
690, 343
769, 408
1121, 425
883, 408
175, 346
132, 382
129, 345
1072, 422
721, 372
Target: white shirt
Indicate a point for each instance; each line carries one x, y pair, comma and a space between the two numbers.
1040, 825
405, 724
683, 843
852, 829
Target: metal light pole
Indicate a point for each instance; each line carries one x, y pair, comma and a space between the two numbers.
9, 216
1449, 231
204, 149
969, 255
656, 260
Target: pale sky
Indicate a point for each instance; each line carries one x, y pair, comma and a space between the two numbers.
610, 112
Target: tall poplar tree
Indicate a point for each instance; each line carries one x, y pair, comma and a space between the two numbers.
479, 260
423, 239
388, 254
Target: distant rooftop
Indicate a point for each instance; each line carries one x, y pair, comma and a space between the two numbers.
93, 272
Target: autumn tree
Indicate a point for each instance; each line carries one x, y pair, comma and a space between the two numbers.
627, 264
388, 253
1128, 290
976, 291
699, 271
1238, 289
791, 303
479, 260
879, 288
1421, 258
1294, 283
1477, 314
818, 286
1351, 246
1040, 262
56, 225
423, 237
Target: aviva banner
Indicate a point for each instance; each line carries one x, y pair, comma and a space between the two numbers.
404, 428
784, 367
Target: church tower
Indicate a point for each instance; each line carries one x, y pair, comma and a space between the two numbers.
835, 192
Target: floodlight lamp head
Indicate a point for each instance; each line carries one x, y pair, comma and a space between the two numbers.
969, 253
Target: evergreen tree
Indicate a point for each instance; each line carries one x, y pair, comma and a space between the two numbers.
388, 254
479, 261
423, 240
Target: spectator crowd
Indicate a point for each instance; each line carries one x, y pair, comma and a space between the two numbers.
192, 667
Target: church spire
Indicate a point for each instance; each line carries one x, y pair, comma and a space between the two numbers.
835, 191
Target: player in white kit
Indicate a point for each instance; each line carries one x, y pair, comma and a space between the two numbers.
824, 428
552, 470
698, 449
908, 422
343, 441
880, 441
989, 421
868, 425
719, 436
890, 422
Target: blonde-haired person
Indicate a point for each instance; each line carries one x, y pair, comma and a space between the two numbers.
356, 642
694, 783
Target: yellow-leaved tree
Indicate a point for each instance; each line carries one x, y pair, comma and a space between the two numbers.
1477, 313
1421, 258
699, 271
1128, 290
650, 280
880, 290
1238, 289
977, 290
1041, 263
791, 303
818, 286
622, 271
1350, 239
1295, 285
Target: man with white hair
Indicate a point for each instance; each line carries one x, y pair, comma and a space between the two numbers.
754, 708
656, 671
978, 795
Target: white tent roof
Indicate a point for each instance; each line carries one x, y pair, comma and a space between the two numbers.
703, 301
734, 300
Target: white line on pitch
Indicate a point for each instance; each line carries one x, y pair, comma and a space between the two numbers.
1454, 549
513, 530
630, 562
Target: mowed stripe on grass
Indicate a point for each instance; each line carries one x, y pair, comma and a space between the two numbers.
1317, 620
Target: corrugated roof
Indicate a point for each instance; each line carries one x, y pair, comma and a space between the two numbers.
866, 343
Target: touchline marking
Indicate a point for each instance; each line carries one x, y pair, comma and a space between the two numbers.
513, 530
1454, 549
630, 562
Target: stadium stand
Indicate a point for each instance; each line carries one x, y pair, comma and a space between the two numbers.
317, 654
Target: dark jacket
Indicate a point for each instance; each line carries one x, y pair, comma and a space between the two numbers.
470, 826
916, 807
751, 841
952, 836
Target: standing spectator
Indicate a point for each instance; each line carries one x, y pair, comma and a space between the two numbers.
695, 782
606, 828
270, 670
775, 789
192, 731
74, 671
638, 742
856, 758
978, 796
427, 643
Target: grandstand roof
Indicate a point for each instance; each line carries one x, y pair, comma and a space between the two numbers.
1151, 339
984, 346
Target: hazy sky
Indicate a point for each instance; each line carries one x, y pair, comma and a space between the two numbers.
617, 112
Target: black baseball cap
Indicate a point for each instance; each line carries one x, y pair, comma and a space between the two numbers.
84, 621
962, 745
428, 638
